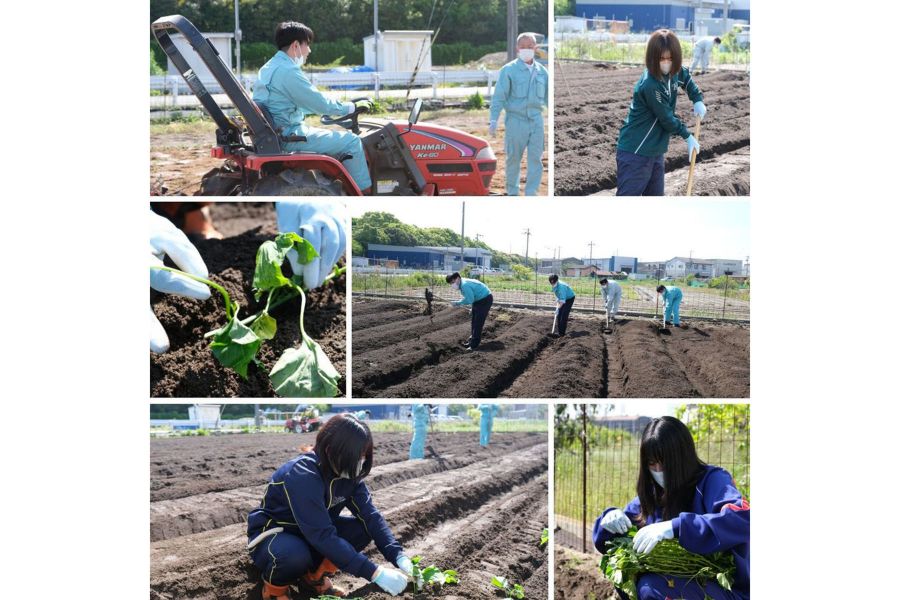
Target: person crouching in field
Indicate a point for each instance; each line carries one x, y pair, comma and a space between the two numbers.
479, 296
644, 137
682, 498
298, 535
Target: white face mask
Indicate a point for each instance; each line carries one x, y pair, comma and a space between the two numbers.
455, 285
359, 467
665, 66
659, 477
526, 54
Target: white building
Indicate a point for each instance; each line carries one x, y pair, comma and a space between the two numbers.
681, 266
220, 41
399, 51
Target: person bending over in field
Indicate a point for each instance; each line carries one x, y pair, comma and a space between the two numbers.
644, 137
565, 298
671, 296
612, 296
479, 296
298, 535
680, 497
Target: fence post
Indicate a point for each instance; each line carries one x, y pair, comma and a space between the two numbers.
173, 82
656, 310
434, 86
584, 459
377, 77
594, 277
725, 299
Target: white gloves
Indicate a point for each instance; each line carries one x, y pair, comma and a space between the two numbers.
405, 564
692, 145
391, 580
616, 521
699, 110
166, 239
650, 535
321, 223
492, 128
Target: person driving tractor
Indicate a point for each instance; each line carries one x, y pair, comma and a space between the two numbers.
288, 94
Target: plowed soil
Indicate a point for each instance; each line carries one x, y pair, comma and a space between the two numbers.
578, 576
189, 369
408, 355
588, 120
478, 510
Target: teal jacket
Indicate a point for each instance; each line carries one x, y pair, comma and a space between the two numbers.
563, 291
523, 92
290, 96
671, 294
651, 118
472, 290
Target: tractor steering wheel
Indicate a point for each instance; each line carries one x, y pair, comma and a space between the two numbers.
350, 121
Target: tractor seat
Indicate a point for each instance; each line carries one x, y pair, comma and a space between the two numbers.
268, 116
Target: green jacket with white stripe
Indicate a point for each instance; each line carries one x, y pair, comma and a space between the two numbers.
651, 118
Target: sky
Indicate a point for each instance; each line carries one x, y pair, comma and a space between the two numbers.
649, 229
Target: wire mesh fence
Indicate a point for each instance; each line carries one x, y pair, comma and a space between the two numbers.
608, 477
730, 302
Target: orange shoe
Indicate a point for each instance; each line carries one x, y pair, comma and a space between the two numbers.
275, 592
320, 580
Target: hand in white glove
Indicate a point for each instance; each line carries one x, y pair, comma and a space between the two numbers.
650, 535
168, 240
405, 564
616, 521
321, 223
391, 580
692, 145
699, 110
492, 128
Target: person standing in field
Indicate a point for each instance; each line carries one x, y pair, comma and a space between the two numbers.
565, 298
488, 411
651, 121
612, 296
522, 90
679, 497
672, 296
298, 536
703, 50
420, 416
477, 295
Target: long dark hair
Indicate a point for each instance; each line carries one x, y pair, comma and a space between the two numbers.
340, 444
667, 441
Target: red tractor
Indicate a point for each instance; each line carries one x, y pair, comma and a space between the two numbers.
404, 158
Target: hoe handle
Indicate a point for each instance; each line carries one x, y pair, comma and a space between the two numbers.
690, 185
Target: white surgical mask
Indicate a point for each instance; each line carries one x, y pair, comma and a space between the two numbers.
359, 467
526, 54
298, 60
455, 285
665, 66
659, 477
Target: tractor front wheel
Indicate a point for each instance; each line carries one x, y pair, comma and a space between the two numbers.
298, 182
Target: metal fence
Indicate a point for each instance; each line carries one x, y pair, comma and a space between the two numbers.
630, 49
639, 298
585, 488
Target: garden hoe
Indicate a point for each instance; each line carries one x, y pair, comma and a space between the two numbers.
690, 183
555, 317
607, 329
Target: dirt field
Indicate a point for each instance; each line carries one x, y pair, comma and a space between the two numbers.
178, 160
399, 353
588, 121
480, 511
189, 369
578, 576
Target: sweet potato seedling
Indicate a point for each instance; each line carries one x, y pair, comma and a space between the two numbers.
509, 589
622, 565
304, 372
545, 537
431, 577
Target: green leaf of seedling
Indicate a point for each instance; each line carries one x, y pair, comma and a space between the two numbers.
545, 537
499, 582
517, 592
415, 560
428, 573
451, 576
235, 346
267, 275
265, 326
305, 372
291, 241
724, 581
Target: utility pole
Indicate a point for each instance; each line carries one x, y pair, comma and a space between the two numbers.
512, 28
237, 36
462, 237
527, 233
478, 237
376, 36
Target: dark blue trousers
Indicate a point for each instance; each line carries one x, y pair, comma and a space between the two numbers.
480, 310
562, 320
285, 557
638, 175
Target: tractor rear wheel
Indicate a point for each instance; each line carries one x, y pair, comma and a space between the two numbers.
298, 182
221, 181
